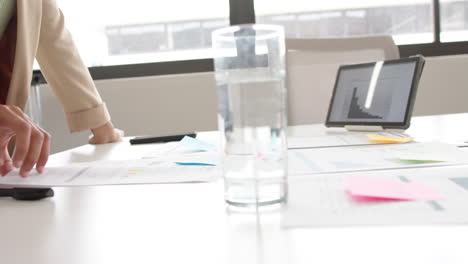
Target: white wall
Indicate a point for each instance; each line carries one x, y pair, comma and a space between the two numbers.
183, 103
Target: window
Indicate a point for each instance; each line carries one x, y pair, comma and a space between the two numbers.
409, 21
140, 37
454, 20
116, 32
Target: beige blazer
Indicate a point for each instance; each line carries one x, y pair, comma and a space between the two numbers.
41, 34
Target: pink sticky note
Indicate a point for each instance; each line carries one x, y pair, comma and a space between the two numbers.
373, 189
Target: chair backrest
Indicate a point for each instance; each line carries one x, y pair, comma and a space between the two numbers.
154, 105
443, 88
312, 65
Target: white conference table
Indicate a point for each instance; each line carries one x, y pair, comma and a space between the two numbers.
190, 223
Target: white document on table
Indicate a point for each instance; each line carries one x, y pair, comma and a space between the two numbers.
374, 157
141, 171
321, 200
339, 140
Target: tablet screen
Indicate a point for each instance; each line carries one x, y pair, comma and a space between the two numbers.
380, 93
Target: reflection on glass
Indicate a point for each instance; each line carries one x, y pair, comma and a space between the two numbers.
114, 32
454, 20
409, 21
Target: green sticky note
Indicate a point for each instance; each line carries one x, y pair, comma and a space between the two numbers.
415, 161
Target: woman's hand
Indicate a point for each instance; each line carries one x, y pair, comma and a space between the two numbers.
32, 142
105, 134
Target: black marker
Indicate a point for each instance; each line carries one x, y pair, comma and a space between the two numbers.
28, 194
147, 140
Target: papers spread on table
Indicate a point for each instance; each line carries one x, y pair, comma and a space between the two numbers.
189, 160
324, 200
117, 172
323, 160
347, 139
194, 160
358, 158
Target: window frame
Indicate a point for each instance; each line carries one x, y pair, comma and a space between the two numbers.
240, 12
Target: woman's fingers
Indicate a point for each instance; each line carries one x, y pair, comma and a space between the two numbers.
15, 123
35, 148
44, 154
6, 167
6, 164
32, 142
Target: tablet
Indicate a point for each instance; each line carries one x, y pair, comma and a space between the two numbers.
378, 94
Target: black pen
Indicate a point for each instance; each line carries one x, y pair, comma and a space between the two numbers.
147, 140
28, 194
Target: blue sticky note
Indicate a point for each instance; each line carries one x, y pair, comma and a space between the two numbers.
198, 160
193, 144
194, 164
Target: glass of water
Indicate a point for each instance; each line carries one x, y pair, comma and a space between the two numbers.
250, 76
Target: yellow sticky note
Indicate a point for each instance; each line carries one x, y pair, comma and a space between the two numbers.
386, 139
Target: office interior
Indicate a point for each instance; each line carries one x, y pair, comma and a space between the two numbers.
156, 73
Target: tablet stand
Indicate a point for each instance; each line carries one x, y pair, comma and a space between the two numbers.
363, 128
371, 128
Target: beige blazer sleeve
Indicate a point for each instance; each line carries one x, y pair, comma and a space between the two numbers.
66, 73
